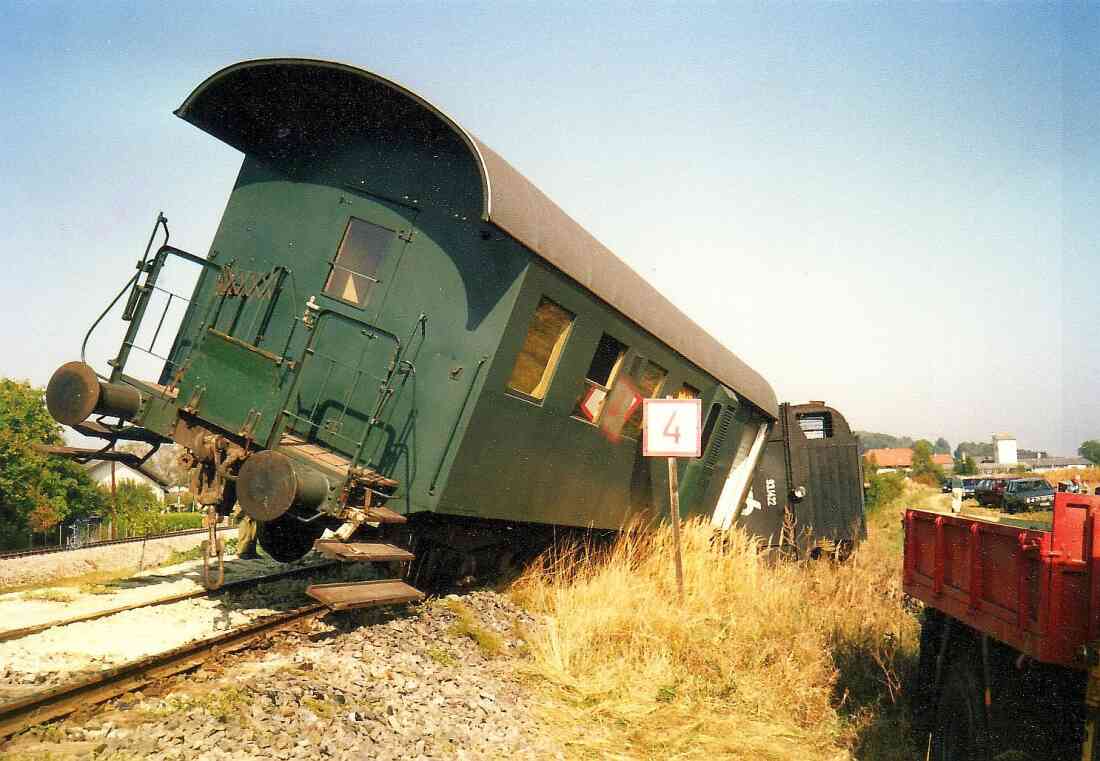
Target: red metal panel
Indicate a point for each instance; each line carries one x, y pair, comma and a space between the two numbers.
1037, 591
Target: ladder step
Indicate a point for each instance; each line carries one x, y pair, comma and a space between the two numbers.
363, 594
384, 515
370, 552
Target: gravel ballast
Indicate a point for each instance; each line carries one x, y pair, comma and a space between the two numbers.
416, 682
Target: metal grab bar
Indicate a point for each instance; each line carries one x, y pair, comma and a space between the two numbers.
322, 317
139, 299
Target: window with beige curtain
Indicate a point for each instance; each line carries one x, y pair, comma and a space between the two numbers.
542, 348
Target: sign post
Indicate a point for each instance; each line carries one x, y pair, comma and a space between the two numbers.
672, 428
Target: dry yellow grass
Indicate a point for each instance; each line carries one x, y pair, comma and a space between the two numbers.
1090, 476
760, 662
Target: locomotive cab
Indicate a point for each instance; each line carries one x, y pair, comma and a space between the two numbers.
806, 496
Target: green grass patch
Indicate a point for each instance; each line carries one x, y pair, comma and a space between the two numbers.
50, 595
442, 657
488, 641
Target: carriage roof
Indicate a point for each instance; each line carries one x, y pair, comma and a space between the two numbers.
245, 105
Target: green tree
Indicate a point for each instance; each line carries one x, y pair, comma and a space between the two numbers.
1090, 450
976, 449
941, 446
872, 440
924, 470
33, 484
966, 466
139, 510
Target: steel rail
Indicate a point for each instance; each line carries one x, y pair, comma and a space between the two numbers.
24, 713
26, 631
106, 543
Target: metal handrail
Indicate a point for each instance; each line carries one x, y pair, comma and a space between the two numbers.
140, 295
280, 425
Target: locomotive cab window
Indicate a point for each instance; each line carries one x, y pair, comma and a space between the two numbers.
355, 269
601, 374
538, 358
816, 425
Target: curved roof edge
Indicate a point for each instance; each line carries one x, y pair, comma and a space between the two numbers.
511, 202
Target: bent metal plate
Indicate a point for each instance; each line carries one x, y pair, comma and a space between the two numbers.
671, 427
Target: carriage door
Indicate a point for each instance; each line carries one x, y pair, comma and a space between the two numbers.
697, 476
354, 352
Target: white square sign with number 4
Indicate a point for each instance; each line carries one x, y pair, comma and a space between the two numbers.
671, 427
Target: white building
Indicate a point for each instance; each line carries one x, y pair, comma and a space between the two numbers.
1004, 449
100, 471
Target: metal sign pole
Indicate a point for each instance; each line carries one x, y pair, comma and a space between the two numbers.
674, 505
671, 428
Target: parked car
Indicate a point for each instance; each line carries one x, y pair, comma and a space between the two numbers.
990, 492
966, 483
1025, 495
969, 485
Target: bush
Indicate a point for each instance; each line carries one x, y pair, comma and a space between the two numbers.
883, 488
178, 522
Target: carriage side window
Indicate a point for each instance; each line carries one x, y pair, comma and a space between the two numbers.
601, 374
649, 380
536, 361
355, 268
687, 391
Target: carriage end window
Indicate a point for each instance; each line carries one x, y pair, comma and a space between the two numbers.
536, 361
601, 373
354, 271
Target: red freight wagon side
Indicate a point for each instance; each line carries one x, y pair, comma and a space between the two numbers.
1011, 622
1036, 590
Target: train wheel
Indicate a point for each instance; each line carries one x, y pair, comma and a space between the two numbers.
960, 732
287, 539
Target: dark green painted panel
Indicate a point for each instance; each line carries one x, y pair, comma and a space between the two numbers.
232, 385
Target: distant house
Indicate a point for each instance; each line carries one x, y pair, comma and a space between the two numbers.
1041, 465
100, 471
901, 458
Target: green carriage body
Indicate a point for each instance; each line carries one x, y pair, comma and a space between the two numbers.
405, 370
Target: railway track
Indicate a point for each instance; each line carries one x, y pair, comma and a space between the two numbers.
105, 543
55, 703
26, 712
230, 586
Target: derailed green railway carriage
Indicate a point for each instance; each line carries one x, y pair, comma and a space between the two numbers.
395, 333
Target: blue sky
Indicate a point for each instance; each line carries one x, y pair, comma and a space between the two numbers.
889, 207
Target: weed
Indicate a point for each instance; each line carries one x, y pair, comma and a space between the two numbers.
322, 709
442, 657
488, 641
666, 694
183, 556
97, 589
222, 704
49, 595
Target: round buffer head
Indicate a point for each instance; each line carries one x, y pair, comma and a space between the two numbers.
267, 485
72, 393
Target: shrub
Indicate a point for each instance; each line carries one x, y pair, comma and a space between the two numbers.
883, 488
